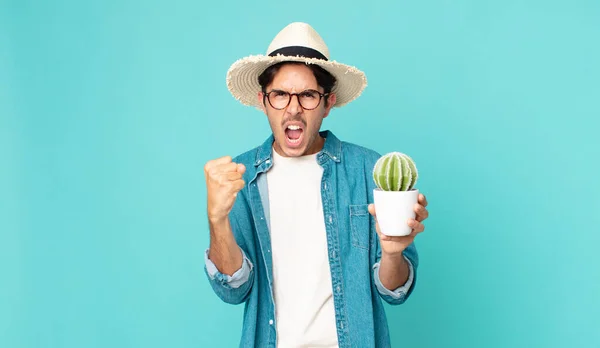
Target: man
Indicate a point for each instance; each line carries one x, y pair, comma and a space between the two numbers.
293, 235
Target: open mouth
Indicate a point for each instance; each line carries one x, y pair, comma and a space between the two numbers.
293, 135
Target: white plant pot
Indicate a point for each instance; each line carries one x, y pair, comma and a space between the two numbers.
393, 209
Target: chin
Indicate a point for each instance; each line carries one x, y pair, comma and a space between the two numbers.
292, 151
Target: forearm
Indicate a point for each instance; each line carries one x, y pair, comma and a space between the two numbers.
224, 251
393, 270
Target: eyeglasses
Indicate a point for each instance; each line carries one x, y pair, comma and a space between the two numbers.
308, 99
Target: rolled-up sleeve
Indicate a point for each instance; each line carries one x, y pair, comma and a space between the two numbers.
230, 288
398, 295
400, 291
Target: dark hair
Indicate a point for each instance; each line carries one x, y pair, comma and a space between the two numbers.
324, 78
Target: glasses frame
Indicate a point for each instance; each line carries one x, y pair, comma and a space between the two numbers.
290, 95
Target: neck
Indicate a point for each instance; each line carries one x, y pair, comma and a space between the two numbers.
316, 146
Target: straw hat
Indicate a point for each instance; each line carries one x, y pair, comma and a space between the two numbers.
297, 42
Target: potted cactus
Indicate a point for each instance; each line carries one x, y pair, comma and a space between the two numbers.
395, 175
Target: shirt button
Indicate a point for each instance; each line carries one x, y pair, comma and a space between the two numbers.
333, 254
330, 219
271, 322
325, 186
338, 288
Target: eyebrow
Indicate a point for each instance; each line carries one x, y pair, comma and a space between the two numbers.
304, 90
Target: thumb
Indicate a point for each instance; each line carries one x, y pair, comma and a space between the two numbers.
372, 209
241, 168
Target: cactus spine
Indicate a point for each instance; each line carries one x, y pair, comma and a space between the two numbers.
395, 171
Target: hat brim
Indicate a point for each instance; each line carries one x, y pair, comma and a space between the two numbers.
242, 78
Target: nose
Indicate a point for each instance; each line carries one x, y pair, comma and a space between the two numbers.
294, 106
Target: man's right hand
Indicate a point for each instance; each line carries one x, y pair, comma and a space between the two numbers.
223, 182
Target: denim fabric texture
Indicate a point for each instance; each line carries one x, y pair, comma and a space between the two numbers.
353, 245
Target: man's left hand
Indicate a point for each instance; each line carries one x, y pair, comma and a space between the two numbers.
396, 245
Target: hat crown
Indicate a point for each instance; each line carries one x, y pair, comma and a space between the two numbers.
298, 34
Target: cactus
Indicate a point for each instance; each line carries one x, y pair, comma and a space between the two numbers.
395, 171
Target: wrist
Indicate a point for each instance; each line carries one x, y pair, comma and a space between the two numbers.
220, 230
217, 220
394, 258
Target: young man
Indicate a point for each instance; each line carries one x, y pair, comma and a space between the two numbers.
292, 232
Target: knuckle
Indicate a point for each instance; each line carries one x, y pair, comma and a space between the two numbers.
208, 166
232, 186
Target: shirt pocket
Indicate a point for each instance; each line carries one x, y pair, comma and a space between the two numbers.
360, 225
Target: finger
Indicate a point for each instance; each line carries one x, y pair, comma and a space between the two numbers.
224, 168
232, 176
241, 168
421, 212
416, 225
213, 163
422, 200
372, 209
222, 160
237, 185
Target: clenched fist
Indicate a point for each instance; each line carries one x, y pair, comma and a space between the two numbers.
223, 182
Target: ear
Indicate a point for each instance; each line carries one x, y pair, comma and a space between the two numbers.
261, 99
331, 102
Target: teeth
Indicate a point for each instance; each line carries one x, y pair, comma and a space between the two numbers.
293, 127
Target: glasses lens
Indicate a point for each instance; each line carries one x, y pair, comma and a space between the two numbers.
309, 99
279, 99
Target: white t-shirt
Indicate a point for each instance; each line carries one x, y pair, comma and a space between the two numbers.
305, 314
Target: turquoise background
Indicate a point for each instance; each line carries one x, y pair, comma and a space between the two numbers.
109, 110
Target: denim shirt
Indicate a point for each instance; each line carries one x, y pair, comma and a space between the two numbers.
352, 242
